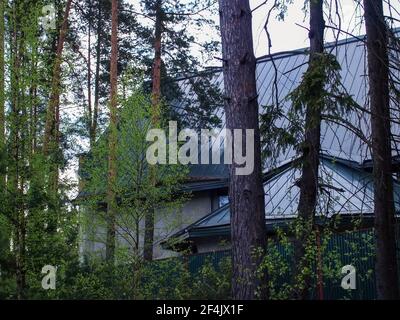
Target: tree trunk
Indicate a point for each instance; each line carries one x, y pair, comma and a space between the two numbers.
15, 167
89, 74
2, 94
156, 88
112, 139
52, 110
246, 192
93, 127
311, 149
384, 211
33, 106
155, 100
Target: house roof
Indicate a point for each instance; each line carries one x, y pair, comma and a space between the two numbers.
345, 189
284, 71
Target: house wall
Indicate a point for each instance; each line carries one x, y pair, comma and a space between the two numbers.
167, 222
92, 234
200, 204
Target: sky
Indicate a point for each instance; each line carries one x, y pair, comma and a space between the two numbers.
288, 34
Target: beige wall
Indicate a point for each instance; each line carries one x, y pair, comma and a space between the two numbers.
166, 223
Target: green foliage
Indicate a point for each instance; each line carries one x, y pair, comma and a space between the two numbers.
325, 255
168, 279
38, 227
213, 280
137, 191
321, 90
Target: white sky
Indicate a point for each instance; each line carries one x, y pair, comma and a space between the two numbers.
286, 35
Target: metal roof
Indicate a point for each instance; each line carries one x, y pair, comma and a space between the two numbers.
287, 69
345, 189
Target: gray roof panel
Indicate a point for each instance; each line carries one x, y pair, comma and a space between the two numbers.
345, 189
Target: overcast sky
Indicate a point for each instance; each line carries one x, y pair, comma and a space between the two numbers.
288, 35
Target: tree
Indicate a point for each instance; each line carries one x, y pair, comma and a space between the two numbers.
2, 97
25, 214
112, 175
246, 192
311, 146
140, 187
378, 72
155, 101
52, 117
15, 152
4, 232
95, 23
176, 25
2, 87
165, 40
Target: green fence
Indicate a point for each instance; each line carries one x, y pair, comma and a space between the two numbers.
350, 248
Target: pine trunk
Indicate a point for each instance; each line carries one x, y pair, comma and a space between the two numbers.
155, 100
2, 93
246, 192
15, 167
112, 138
53, 107
378, 72
89, 74
311, 150
93, 127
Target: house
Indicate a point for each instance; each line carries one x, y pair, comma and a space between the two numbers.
348, 192
346, 187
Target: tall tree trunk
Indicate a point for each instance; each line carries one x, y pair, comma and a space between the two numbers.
89, 73
384, 211
155, 100
52, 110
311, 149
52, 126
33, 105
93, 127
15, 168
2, 93
112, 139
246, 192
156, 88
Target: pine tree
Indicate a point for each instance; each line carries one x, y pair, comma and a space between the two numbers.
112, 137
310, 148
2, 97
155, 101
51, 134
165, 40
386, 269
246, 193
174, 23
